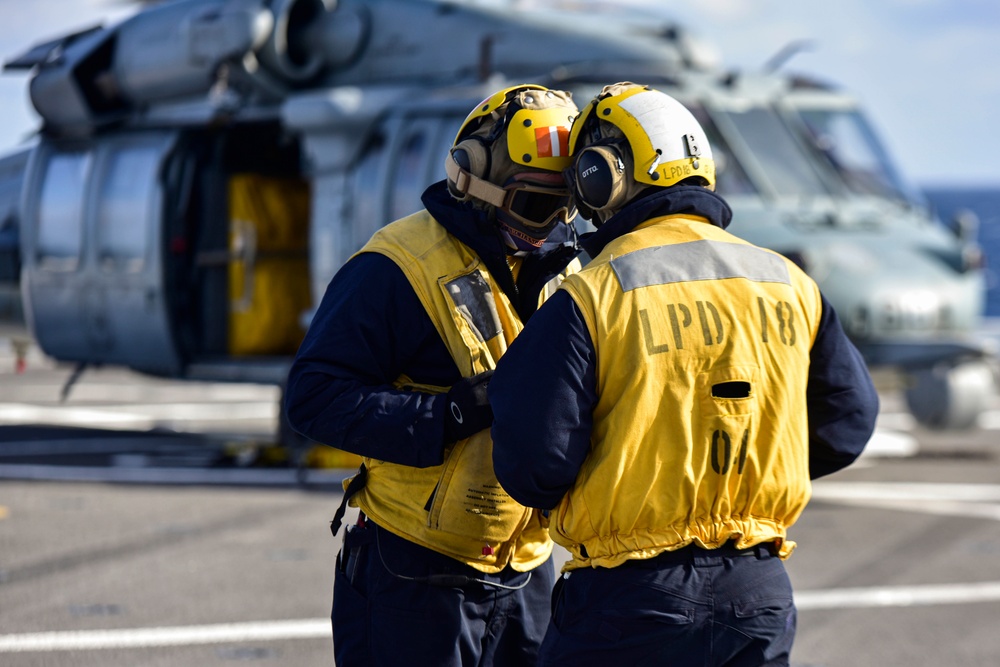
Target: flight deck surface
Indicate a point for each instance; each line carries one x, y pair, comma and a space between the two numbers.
135, 529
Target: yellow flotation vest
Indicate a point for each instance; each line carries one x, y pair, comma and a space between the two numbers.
458, 508
700, 432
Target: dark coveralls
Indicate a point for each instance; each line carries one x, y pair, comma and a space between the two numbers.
369, 330
718, 607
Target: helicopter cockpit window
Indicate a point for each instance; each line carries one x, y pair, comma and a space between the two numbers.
846, 140
60, 211
126, 199
730, 178
784, 162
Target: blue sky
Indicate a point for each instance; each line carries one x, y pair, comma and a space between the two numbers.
24, 23
928, 71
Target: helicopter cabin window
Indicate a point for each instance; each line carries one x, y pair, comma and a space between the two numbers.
61, 209
127, 192
366, 200
785, 164
408, 177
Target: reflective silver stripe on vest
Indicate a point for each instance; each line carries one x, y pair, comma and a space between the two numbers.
698, 260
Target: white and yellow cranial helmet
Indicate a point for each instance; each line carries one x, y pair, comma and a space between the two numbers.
665, 145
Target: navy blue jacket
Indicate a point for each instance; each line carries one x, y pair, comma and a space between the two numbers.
543, 450
370, 328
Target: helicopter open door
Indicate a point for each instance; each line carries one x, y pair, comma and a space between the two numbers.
174, 253
268, 263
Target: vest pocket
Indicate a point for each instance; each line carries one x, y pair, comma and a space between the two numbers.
728, 412
728, 391
475, 304
469, 500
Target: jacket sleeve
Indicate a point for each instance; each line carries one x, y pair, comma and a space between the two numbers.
368, 330
543, 395
841, 399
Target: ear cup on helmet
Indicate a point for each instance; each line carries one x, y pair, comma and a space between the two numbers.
599, 177
473, 155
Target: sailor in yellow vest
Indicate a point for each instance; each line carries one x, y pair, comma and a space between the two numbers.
443, 568
669, 406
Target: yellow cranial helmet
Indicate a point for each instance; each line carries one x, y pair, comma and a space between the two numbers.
663, 144
510, 153
537, 122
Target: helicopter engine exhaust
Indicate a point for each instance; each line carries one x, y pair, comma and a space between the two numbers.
184, 50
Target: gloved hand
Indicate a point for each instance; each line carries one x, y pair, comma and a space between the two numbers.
467, 410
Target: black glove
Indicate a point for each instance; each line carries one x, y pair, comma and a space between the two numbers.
467, 410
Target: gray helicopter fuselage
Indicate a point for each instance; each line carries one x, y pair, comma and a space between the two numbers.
135, 250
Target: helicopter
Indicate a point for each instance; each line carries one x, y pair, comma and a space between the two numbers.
204, 167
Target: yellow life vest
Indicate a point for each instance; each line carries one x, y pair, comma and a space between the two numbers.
458, 508
700, 433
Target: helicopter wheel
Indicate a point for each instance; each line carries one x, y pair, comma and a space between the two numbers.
950, 396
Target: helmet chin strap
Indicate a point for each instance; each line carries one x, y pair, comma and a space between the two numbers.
470, 185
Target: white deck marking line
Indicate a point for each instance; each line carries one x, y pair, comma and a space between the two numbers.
885, 443
988, 420
17, 413
896, 421
134, 416
236, 476
913, 491
963, 500
167, 636
897, 596
319, 628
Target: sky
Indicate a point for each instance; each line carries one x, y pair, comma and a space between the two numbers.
927, 71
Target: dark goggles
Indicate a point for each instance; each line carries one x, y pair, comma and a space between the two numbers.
537, 207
